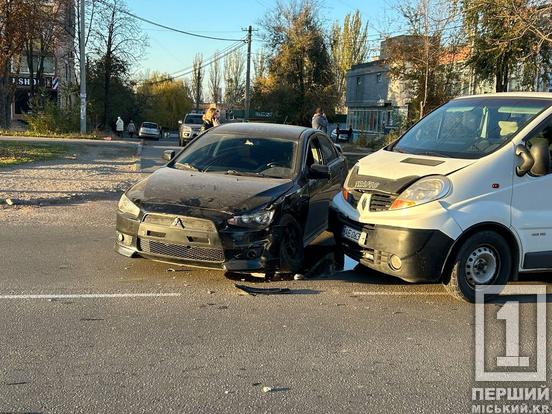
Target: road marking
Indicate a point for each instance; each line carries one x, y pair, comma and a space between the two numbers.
401, 293
91, 296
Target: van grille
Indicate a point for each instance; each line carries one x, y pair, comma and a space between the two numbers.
378, 201
180, 251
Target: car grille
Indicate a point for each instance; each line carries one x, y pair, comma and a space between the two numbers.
186, 252
378, 201
190, 223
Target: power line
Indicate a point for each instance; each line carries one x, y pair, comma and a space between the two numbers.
143, 19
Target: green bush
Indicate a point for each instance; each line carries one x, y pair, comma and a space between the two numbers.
54, 120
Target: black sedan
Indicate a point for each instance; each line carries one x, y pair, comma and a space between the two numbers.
240, 197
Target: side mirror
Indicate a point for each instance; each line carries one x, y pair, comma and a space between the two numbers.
527, 160
319, 171
168, 155
541, 156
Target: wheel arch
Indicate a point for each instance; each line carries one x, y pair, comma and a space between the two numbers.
498, 228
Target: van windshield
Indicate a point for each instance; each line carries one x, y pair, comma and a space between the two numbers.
470, 128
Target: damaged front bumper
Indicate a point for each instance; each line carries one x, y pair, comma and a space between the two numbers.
197, 242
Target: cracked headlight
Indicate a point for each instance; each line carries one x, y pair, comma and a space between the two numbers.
423, 191
259, 219
128, 207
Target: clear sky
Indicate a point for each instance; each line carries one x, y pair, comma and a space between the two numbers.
170, 52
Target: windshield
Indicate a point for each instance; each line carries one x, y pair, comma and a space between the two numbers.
470, 128
240, 155
193, 119
149, 125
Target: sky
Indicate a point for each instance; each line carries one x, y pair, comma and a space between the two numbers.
170, 52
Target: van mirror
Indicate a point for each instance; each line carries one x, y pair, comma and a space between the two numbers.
541, 157
527, 160
168, 155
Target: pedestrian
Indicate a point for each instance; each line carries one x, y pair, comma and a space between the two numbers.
319, 120
210, 118
337, 133
120, 126
350, 133
131, 128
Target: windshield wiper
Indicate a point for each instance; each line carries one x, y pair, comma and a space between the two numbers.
186, 166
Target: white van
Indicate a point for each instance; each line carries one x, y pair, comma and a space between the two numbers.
463, 197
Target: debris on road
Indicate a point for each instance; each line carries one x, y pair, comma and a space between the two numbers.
253, 291
299, 276
9, 202
267, 389
210, 292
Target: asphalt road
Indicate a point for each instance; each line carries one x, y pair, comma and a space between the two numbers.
130, 335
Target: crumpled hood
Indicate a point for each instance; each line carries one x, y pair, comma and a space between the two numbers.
207, 191
390, 172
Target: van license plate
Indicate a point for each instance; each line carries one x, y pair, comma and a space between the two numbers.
352, 234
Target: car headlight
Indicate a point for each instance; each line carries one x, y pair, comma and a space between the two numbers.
128, 207
259, 219
423, 191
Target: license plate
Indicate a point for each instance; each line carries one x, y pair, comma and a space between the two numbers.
353, 234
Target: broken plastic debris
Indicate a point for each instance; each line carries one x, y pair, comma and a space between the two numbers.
267, 389
262, 291
9, 202
299, 276
210, 292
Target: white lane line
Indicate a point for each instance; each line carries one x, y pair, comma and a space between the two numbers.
92, 296
400, 293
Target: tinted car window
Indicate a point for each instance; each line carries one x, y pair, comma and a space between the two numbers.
328, 150
193, 119
149, 125
233, 154
470, 128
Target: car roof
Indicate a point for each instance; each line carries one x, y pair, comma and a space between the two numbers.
262, 130
537, 95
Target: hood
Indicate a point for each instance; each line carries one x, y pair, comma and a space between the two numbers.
194, 127
207, 191
391, 172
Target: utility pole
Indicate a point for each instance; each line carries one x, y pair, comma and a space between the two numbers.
82, 70
248, 75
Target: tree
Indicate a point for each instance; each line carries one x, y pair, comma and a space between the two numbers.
12, 31
117, 43
506, 36
234, 79
215, 79
164, 100
348, 46
260, 64
300, 77
198, 72
425, 60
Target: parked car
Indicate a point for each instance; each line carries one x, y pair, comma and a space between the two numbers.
190, 127
344, 135
149, 130
245, 197
462, 197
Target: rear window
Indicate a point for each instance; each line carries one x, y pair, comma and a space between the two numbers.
149, 125
193, 119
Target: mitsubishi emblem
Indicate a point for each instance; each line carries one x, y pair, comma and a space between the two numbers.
177, 223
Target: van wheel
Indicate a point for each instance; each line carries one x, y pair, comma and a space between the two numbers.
291, 245
483, 259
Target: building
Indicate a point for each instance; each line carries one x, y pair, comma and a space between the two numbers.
54, 51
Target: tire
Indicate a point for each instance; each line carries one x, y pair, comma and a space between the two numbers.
291, 249
483, 259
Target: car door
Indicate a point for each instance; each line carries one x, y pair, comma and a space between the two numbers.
317, 217
532, 209
336, 164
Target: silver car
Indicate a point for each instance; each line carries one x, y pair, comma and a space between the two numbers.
149, 130
190, 127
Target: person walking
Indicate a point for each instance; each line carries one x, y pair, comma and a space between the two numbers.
120, 127
210, 118
319, 120
131, 128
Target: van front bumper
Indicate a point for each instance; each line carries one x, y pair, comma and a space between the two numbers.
414, 255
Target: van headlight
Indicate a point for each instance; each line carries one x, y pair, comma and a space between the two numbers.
259, 219
128, 207
423, 191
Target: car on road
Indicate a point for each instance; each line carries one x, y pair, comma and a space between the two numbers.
463, 197
343, 135
190, 127
244, 197
149, 130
